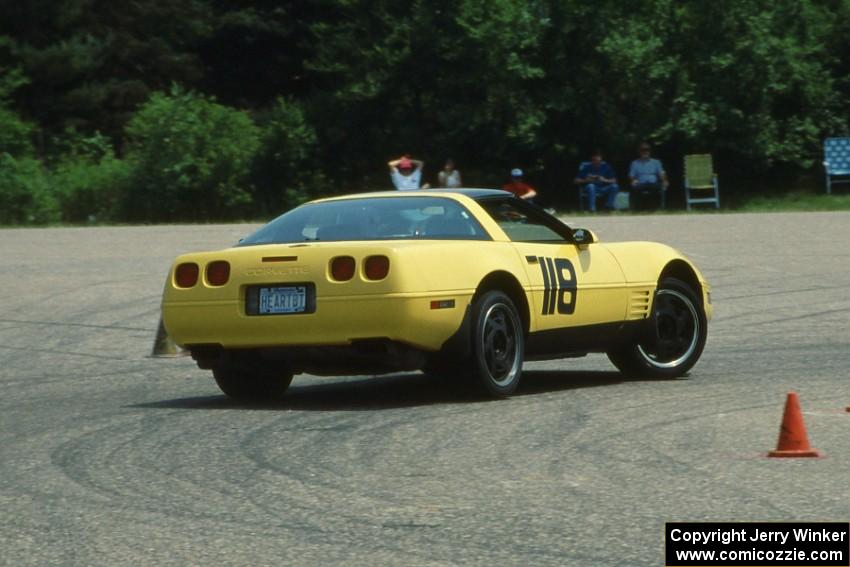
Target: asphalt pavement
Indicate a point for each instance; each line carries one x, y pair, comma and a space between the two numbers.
109, 457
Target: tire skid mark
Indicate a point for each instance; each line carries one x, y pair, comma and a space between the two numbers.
63, 324
804, 348
660, 424
313, 472
232, 487
64, 353
667, 462
816, 314
63, 376
316, 495
780, 292
688, 467
751, 496
255, 443
314, 479
94, 462
763, 312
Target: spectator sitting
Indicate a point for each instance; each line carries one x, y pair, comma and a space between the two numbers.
449, 177
598, 179
648, 179
406, 173
519, 187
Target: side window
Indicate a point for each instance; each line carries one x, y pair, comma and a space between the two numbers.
520, 224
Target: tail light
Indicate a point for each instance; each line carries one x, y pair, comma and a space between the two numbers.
186, 275
342, 268
218, 272
376, 267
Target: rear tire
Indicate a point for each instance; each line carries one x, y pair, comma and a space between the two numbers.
244, 377
498, 345
676, 339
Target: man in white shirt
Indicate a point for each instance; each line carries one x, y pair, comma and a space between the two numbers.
406, 173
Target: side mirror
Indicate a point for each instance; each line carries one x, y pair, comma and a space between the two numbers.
583, 237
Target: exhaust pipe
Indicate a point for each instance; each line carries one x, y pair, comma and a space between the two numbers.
163, 346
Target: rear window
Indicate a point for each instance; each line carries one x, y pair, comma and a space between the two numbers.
384, 218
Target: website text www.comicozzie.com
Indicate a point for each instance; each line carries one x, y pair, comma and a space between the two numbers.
812, 544
705, 556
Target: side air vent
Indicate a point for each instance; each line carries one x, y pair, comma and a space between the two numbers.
639, 303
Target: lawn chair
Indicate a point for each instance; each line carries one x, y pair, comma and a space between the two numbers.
700, 178
836, 161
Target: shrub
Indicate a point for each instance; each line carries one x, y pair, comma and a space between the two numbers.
190, 159
90, 190
287, 171
25, 196
88, 181
14, 134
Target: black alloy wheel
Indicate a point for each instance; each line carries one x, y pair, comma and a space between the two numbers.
675, 339
498, 344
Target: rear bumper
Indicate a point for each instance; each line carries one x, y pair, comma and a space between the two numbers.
337, 321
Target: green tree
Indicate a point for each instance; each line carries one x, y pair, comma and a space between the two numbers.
87, 180
761, 87
491, 83
254, 51
15, 133
287, 168
191, 159
25, 195
90, 63
432, 78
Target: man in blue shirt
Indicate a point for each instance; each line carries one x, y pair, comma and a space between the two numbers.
597, 179
648, 179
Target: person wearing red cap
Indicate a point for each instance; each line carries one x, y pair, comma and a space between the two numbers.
406, 173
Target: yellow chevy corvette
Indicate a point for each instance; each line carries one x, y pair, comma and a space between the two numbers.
469, 281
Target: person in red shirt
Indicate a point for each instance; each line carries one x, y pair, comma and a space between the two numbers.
519, 187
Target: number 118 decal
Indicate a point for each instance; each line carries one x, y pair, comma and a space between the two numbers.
556, 286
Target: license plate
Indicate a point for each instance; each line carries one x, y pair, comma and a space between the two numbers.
278, 300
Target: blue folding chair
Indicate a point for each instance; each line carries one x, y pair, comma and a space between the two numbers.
836, 161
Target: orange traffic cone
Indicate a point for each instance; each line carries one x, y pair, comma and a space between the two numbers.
793, 441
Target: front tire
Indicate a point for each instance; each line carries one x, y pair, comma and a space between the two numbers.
675, 339
498, 345
250, 378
